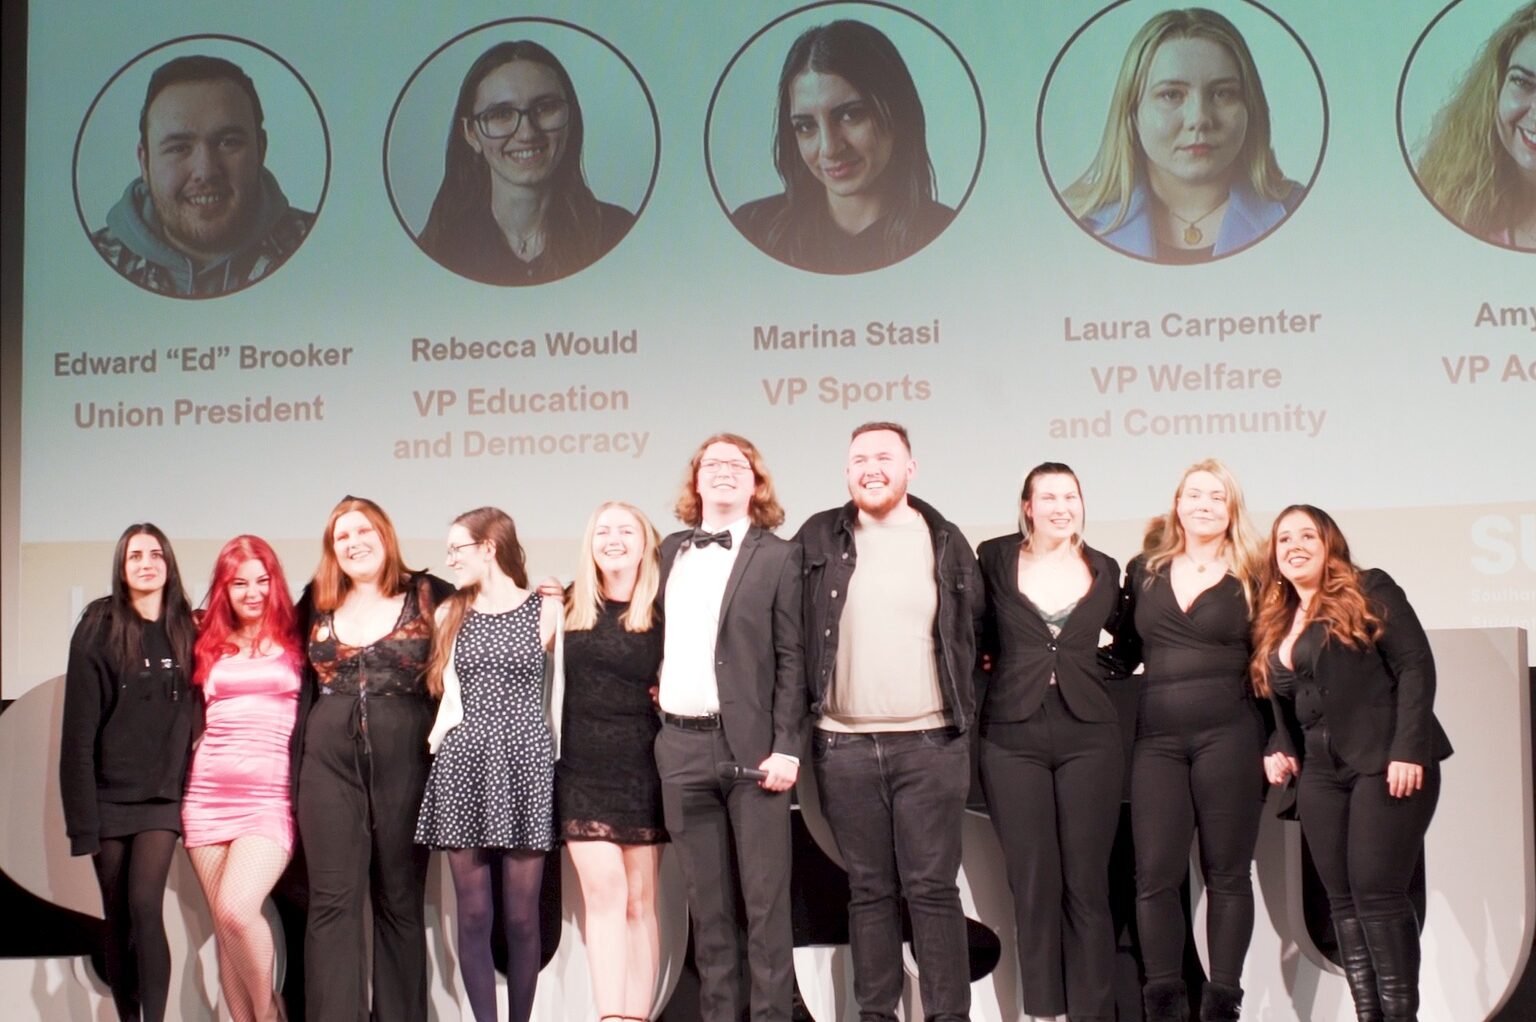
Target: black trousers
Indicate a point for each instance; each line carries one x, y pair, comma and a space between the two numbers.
1197, 766
730, 838
359, 795
1052, 785
1365, 843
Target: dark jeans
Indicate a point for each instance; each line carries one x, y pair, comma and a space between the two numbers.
1198, 765
895, 802
1052, 784
1365, 843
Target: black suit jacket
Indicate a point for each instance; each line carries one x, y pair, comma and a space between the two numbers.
759, 653
1378, 701
1025, 654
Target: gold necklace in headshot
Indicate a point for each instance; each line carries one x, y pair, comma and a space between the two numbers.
1193, 235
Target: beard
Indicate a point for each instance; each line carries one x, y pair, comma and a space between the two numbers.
204, 233
881, 502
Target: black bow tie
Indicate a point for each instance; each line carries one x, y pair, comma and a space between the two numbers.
703, 538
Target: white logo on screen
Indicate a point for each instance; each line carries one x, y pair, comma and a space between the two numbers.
1506, 542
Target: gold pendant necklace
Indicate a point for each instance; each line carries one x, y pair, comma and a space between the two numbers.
1193, 235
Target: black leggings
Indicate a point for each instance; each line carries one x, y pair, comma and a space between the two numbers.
1365, 843
1197, 765
522, 881
131, 871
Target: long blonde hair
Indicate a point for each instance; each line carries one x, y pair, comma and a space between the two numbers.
586, 598
1240, 546
1464, 167
483, 524
1118, 166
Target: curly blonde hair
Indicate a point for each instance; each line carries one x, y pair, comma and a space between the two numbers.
1464, 167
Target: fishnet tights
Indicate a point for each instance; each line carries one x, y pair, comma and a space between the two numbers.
236, 878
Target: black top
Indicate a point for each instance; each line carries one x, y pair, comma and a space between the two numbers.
816, 243
394, 665
127, 736
1209, 640
482, 253
606, 776
1027, 654
422, 588
1298, 683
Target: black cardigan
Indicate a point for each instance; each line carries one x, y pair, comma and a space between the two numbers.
1025, 654
1378, 701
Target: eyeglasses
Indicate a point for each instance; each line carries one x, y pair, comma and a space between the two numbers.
715, 466
503, 119
453, 550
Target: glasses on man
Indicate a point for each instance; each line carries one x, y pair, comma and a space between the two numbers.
720, 466
503, 119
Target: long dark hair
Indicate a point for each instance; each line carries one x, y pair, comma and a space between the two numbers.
124, 628
863, 56
460, 232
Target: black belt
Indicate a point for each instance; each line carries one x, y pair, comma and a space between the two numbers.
707, 722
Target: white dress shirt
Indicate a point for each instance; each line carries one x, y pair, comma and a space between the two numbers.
695, 592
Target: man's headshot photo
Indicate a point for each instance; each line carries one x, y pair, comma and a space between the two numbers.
206, 215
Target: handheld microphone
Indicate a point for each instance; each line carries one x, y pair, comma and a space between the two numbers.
734, 772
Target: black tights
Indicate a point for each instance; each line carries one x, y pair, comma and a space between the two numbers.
522, 880
131, 871
1197, 766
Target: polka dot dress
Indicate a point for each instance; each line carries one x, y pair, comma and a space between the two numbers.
492, 781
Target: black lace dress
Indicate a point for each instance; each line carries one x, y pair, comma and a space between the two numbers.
605, 781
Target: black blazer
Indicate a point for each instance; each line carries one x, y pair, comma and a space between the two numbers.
759, 653
1024, 653
1378, 702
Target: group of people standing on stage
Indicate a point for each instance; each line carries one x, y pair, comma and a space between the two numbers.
639, 705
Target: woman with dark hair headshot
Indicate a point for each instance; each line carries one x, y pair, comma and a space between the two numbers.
1341, 655
365, 714
609, 791
238, 814
1052, 763
1479, 165
129, 715
851, 146
489, 801
514, 206
1185, 171
1197, 763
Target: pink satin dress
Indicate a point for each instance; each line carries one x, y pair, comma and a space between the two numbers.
238, 785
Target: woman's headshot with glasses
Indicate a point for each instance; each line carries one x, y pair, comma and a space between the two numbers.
514, 206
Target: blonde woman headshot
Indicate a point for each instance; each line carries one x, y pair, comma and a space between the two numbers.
1479, 165
1185, 171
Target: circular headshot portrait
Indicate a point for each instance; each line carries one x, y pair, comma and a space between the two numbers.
500, 172
200, 166
1182, 135
1466, 119
844, 137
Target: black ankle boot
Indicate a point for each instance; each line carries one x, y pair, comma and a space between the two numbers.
1355, 956
1221, 1003
1165, 1001
1394, 944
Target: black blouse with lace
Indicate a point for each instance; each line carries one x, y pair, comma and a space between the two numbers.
605, 780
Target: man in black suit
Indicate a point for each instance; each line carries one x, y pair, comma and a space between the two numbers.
732, 693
